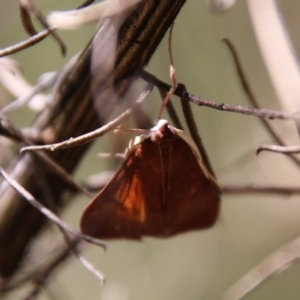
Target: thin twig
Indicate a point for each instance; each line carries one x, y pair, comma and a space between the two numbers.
172, 76
15, 282
45, 270
171, 110
273, 264
73, 244
191, 123
253, 189
88, 137
89, 266
48, 213
249, 93
166, 95
27, 43
40, 276
111, 155
62, 173
38, 88
279, 149
8, 129
264, 113
26, 7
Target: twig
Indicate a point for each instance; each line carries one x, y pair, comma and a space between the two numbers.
26, 7
40, 277
89, 266
166, 95
38, 88
279, 149
264, 113
190, 120
45, 270
62, 173
111, 155
9, 130
88, 137
73, 244
27, 43
253, 189
172, 75
248, 91
275, 263
48, 213
171, 110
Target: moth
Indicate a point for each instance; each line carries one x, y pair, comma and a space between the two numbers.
161, 189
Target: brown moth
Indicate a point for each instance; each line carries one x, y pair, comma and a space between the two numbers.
161, 189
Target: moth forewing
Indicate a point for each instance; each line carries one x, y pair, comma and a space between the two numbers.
198, 156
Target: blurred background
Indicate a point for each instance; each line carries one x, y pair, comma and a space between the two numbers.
197, 265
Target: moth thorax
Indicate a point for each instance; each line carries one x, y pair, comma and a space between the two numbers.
162, 132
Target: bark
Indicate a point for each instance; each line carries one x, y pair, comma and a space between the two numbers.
74, 111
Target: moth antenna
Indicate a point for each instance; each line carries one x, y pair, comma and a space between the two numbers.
172, 75
110, 155
135, 130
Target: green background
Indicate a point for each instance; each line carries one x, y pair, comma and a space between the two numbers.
197, 265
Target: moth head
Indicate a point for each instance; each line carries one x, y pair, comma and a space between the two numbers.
162, 132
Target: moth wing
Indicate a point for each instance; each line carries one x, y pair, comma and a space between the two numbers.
119, 209
187, 139
193, 203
